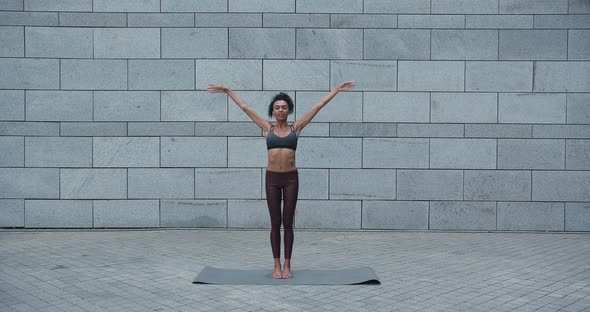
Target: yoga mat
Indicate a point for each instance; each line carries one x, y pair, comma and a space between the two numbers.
211, 275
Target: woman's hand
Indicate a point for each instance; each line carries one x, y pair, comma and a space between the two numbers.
345, 86
213, 88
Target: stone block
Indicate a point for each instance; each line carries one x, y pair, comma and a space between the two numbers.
248, 214
402, 44
262, 43
396, 107
228, 19
464, 107
562, 76
12, 105
578, 7
29, 18
329, 152
479, 44
58, 152
462, 215
498, 131
193, 106
126, 213
561, 131
194, 42
126, 6
160, 20
562, 21
499, 76
530, 216
58, 213
193, 152
430, 130
431, 76
13, 41
398, 6
531, 154
363, 21
368, 75
497, 185
12, 213
431, 21
93, 74
290, 20
193, 213
126, 151
193, 6
236, 74
261, 6
93, 183
533, 44
227, 129
395, 153
259, 101
59, 42
126, 106
29, 128
462, 153
60, 5
127, 43
92, 129
533, 6
532, 108
395, 215
346, 107
225, 183
246, 152
561, 186
316, 129
29, 183
153, 183
319, 214
161, 128
373, 129
161, 74
499, 21
577, 216
362, 184
329, 44
464, 7
296, 75
16, 5
578, 46
577, 152
12, 151
59, 105
29, 73
75, 19
328, 6
429, 184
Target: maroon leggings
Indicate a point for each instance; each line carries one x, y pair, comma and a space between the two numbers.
286, 183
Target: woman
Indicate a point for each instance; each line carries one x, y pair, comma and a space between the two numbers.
281, 173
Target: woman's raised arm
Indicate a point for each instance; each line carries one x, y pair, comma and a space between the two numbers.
303, 121
261, 122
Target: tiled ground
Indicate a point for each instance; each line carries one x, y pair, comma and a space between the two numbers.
152, 270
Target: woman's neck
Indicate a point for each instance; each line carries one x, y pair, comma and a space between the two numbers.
281, 124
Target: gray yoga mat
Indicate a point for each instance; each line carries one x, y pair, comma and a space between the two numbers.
211, 275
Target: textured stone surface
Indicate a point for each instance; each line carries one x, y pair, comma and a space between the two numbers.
497, 185
404, 215
530, 216
457, 215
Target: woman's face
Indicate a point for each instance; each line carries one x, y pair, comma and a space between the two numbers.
280, 109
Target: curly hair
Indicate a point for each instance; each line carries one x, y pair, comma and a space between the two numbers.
281, 97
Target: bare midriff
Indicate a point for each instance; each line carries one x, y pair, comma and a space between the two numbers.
281, 160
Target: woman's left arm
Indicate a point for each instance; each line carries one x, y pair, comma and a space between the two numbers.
303, 121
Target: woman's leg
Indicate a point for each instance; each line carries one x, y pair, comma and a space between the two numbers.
290, 193
273, 200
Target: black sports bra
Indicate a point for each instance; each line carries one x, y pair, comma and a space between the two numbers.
275, 141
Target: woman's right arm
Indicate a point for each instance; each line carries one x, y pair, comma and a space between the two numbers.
261, 122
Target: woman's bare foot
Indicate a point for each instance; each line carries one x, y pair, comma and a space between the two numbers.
287, 269
277, 272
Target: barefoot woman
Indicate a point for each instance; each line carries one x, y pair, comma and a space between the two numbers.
281, 173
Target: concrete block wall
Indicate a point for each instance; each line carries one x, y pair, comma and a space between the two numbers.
467, 115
